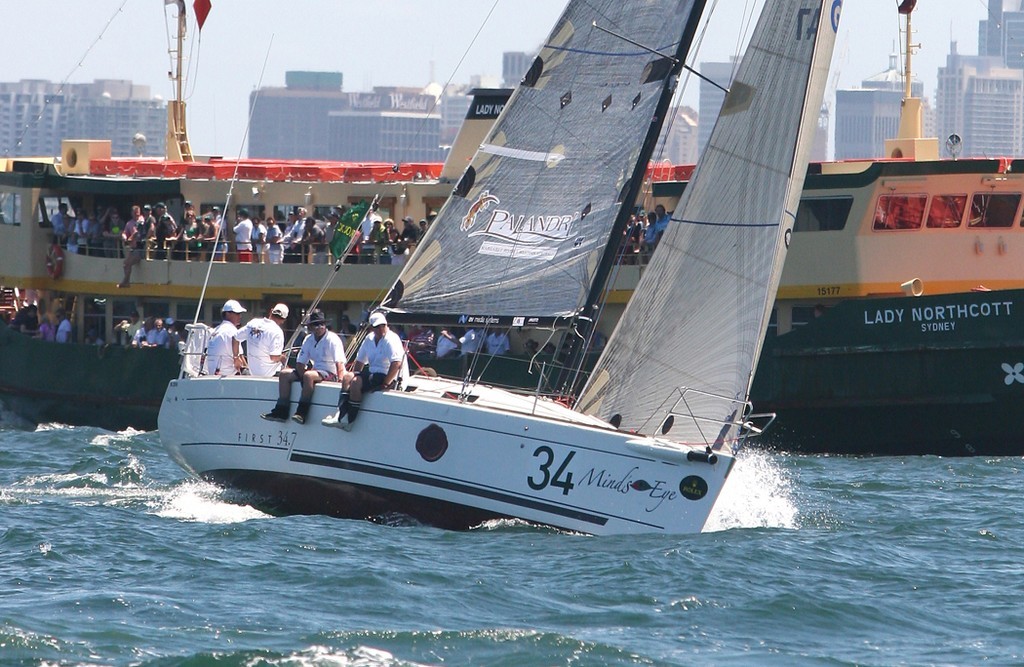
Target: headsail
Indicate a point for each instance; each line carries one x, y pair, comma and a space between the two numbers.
525, 231
688, 341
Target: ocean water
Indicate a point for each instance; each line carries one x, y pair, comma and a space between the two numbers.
111, 555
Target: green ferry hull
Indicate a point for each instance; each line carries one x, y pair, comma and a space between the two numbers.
940, 375
108, 386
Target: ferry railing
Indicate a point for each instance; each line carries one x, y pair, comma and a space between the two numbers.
193, 349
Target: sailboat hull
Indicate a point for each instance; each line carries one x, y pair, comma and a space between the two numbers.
444, 462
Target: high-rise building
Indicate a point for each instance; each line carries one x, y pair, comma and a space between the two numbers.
866, 117
386, 125
712, 96
982, 101
1002, 33
312, 118
292, 122
36, 115
514, 65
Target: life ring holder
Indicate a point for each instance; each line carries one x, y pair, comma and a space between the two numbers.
55, 262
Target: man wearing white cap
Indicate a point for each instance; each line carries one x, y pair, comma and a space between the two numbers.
222, 356
322, 357
378, 365
264, 342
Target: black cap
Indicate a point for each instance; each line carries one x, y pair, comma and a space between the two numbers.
242, 213
147, 207
159, 204
316, 317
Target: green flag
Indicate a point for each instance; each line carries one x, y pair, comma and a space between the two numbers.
346, 228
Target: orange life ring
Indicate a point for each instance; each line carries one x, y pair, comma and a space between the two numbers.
55, 261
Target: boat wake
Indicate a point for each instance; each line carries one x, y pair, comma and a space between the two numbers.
202, 502
758, 494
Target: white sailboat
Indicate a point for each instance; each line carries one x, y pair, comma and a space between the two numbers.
524, 241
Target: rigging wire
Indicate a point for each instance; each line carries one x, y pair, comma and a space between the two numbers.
60, 90
231, 187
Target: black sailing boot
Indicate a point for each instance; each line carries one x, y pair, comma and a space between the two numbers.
353, 410
301, 411
279, 413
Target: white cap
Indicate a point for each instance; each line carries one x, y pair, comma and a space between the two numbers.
168, 320
280, 310
377, 319
232, 306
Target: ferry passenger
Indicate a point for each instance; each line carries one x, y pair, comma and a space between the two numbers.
133, 238
243, 236
61, 223
322, 357
275, 247
497, 343
447, 344
63, 327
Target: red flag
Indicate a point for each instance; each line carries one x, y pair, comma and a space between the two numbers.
905, 7
202, 9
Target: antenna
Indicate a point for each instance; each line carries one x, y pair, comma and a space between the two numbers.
178, 147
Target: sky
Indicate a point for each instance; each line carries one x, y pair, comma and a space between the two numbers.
246, 44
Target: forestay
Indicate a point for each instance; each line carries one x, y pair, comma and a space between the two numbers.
688, 341
524, 233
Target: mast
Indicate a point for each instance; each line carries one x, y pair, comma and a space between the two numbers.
909, 143
178, 147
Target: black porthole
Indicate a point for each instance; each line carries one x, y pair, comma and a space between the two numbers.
432, 443
667, 425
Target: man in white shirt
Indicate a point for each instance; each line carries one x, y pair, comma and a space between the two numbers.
322, 357
379, 364
470, 342
243, 235
264, 342
366, 227
63, 327
275, 246
60, 221
222, 356
497, 343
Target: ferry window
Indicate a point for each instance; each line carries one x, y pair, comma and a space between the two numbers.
822, 214
946, 211
899, 211
989, 210
10, 208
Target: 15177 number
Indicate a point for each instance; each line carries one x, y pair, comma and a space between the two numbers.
561, 478
828, 290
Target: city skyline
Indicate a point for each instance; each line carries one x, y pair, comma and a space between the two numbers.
383, 44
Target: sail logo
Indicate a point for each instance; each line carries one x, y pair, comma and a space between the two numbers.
481, 204
1014, 373
837, 8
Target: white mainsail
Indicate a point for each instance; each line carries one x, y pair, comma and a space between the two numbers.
681, 359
